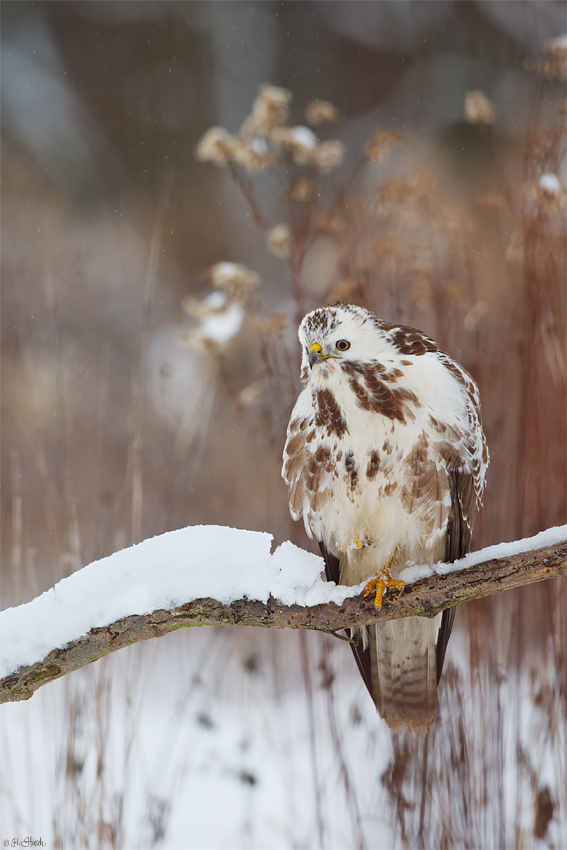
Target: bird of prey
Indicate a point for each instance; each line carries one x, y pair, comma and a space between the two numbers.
385, 460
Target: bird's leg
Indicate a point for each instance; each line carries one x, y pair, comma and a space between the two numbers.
381, 581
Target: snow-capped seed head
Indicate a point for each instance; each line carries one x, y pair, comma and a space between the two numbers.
235, 279
252, 154
556, 49
550, 184
299, 141
478, 108
553, 66
220, 318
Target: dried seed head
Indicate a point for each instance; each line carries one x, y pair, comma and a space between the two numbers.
475, 314
547, 194
299, 141
220, 319
478, 108
328, 155
234, 279
269, 110
251, 396
215, 146
321, 112
274, 99
554, 64
302, 190
253, 153
379, 146
279, 241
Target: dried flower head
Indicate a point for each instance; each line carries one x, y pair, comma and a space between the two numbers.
215, 146
251, 396
328, 155
269, 110
321, 112
299, 141
220, 319
478, 108
279, 241
381, 143
475, 314
547, 194
554, 64
236, 280
302, 189
253, 153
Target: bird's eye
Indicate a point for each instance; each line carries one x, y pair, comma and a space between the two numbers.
343, 345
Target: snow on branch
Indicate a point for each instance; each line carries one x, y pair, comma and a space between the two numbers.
210, 575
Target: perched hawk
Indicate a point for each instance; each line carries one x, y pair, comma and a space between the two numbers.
385, 460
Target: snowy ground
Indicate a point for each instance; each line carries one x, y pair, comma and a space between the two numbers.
200, 741
212, 738
215, 738
233, 737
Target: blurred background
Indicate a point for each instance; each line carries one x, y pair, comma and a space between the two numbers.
146, 388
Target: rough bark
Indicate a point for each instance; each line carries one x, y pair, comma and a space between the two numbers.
424, 598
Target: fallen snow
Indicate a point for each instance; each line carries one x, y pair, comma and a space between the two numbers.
225, 323
192, 563
304, 136
549, 537
550, 183
559, 42
161, 573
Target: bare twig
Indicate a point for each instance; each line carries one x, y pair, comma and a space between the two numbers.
425, 598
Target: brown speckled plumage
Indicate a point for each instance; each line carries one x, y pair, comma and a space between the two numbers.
385, 461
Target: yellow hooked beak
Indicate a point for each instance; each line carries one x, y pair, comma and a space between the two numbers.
316, 355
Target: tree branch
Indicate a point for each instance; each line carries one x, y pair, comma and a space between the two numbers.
424, 598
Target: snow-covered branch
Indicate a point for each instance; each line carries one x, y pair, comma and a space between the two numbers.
210, 575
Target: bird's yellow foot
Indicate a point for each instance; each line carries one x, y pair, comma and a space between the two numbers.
380, 582
362, 542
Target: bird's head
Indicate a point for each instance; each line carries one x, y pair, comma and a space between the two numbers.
332, 335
